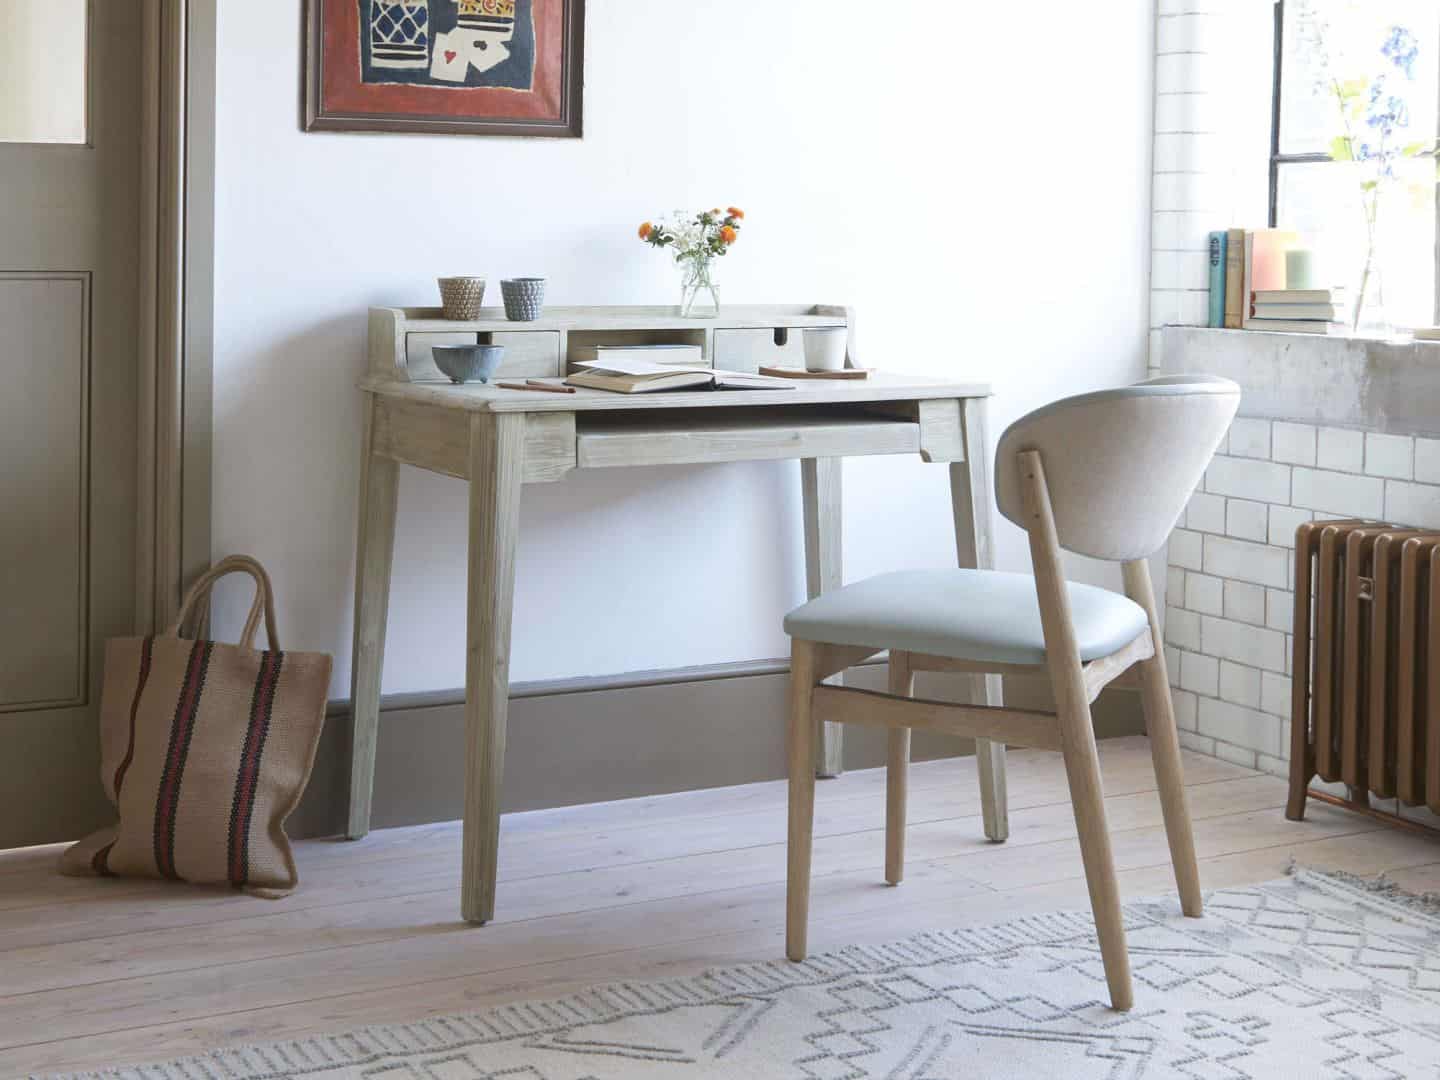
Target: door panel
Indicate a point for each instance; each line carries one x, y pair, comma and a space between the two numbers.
69, 272
43, 550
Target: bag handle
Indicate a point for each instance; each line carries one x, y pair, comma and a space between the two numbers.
197, 600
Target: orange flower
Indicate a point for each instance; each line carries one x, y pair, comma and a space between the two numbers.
737, 213
645, 230
728, 234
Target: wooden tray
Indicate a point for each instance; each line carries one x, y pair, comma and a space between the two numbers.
801, 373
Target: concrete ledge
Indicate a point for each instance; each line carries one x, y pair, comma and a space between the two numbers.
1345, 382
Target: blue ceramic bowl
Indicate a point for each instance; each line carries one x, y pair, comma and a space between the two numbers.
468, 363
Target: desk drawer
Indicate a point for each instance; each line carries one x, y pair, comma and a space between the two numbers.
529, 354
750, 350
605, 440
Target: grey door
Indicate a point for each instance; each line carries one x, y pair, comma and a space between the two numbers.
70, 93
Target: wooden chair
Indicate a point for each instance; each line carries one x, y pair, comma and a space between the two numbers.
1105, 475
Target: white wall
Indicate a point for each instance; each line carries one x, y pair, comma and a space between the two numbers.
975, 178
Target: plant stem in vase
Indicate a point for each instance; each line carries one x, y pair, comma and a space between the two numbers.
699, 295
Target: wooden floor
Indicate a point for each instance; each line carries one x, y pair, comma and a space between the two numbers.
108, 972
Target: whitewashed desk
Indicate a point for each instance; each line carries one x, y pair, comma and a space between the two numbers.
502, 439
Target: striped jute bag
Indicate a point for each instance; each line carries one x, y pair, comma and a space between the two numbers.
205, 750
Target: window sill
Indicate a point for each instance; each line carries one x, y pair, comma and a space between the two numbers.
1385, 386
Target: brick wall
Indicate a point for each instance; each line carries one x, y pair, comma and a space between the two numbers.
1228, 591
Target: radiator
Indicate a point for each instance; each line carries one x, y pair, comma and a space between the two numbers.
1365, 711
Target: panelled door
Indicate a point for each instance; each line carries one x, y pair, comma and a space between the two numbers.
70, 94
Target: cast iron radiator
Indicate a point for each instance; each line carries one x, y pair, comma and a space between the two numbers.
1365, 710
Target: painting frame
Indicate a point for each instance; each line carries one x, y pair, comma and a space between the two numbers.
335, 99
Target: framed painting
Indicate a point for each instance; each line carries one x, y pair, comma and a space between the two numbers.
477, 67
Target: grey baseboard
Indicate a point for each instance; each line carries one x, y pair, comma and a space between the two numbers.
614, 737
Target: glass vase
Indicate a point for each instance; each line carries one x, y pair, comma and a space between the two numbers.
699, 295
1371, 318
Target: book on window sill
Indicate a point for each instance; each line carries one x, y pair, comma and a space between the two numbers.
644, 377
1295, 326
1300, 296
1316, 312
671, 355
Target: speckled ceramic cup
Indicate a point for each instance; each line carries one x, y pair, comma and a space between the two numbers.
524, 298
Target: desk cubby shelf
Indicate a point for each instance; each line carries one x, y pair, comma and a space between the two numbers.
740, 339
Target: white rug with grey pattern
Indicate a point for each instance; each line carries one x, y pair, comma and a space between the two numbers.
1315, 975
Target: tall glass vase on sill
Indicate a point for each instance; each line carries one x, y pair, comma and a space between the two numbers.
699, 294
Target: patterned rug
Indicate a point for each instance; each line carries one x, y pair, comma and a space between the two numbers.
1316, 975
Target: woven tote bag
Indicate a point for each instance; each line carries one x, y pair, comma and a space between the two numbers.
205, 750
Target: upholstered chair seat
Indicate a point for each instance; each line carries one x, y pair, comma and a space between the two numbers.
982, 615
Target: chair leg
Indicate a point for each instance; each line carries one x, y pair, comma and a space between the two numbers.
1165, 749
1082, 767
1170, 779
801, 744
902, 683
1077, 735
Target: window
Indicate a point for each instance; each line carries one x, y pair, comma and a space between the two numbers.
1355, 118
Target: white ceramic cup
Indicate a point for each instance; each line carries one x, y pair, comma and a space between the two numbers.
825, 349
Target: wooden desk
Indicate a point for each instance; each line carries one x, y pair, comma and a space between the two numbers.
500, 440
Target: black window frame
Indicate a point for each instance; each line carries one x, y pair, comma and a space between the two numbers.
1278, 160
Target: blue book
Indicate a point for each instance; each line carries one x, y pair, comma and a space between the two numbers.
1217, 279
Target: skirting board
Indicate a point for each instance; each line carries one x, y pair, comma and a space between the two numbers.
590, 740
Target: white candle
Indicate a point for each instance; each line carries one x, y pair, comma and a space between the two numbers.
1299, 268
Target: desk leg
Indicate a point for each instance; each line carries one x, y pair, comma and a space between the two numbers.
972, 499
375, 548
820, 483
497, 447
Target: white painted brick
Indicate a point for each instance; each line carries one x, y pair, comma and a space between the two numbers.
1239, 684
1174, 585
1240, 726
1340, 448
1250, 438
1187, 707
1235, 755
1244, 561
1185, 550
1206, 513
1253, 645
1284, 520
1198, 743
1293, 443
1273, 765
1339, 493
1172, 664
1246, 478
1280, 610
1246, 520
1182, 628
1199, 673
1412, 504
1389, 455
1275, 694
1244, 602
1427, 461
1205, 594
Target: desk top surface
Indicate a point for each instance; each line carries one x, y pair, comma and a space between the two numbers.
478, 397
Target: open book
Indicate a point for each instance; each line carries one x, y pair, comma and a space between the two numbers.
643, 377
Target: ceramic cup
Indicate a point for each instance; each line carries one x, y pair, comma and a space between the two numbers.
461, 297
524, 298
468, 363
825, 349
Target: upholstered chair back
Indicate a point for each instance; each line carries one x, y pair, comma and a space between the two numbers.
1120, 464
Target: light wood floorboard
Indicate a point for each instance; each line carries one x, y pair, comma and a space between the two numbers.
104, 972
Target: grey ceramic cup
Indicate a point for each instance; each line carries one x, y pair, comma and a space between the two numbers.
524, 298
468, 363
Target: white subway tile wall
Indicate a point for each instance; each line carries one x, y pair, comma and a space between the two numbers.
1229, 599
